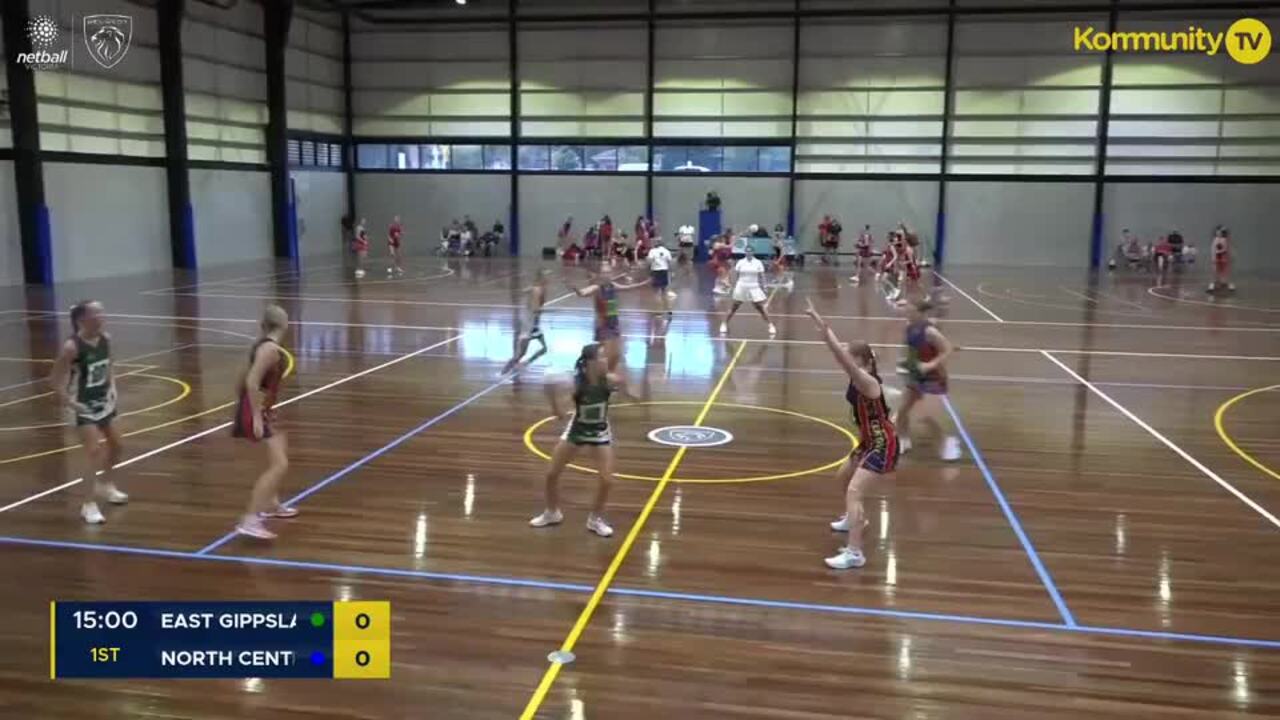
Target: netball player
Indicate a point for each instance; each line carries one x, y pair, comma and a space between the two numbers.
394, 232
592, 386
537, 296
927, 353
83, 381
360, 246
608, 328
877, 453
1220, 246
659, 260
721, 255
862, 254
747, 287
257, 389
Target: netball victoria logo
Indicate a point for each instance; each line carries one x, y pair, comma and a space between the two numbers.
107, 38
43, 32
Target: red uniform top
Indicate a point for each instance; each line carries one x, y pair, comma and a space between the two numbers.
1221, 251
909, 262
889, 258
269, 386
393, 234
642, 249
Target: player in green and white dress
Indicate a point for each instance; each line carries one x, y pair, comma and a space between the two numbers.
83, 381
592, 387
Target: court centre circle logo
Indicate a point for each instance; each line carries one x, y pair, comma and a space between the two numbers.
691, 436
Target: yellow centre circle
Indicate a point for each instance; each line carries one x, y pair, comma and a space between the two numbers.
1248, 41
853, 444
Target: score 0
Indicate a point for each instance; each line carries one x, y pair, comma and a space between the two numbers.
362, 640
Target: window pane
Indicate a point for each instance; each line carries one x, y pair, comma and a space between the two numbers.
601, 157
740, 158
308, 152
434, 157
633, 158
336, 156
705, 158
534, 157
322, 154
566, 157
497, 157
295, 153
466, 157
775, 159
669, 158
403, 157
372, 156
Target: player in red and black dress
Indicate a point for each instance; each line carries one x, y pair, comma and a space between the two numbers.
909, 270
360, 246
394, 232
877, 452
926, 370
1220, 246
722, 261
889, 264
257, 390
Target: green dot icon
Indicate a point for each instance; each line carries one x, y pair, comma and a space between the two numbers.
317, 619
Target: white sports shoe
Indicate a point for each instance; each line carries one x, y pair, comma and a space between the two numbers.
846, 559
548, 517
841, 524
597, 525
113, 495
91, 514
359, 273
724, 328
772, 330
904, 445
253, 527
951, 449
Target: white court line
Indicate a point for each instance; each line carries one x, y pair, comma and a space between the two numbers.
968, 297
212, 283
1168, 443
225, 425
1178, 298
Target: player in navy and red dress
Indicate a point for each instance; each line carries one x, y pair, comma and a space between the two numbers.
925, 367
1220, 246
394, 232
862, 251
877, 452
257, 391
908, 270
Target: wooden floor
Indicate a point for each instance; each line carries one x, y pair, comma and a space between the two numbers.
1101, 551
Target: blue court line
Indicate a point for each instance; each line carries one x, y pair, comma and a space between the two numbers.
317, 487
650, 594
1012, 517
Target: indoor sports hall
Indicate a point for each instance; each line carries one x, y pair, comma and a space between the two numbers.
932, 348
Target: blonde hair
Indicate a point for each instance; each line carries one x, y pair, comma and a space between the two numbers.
274, 318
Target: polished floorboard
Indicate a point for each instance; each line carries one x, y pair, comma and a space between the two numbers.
1105, 548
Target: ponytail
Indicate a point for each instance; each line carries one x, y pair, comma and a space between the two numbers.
77, 314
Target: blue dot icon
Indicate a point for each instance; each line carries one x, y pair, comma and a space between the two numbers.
317, 658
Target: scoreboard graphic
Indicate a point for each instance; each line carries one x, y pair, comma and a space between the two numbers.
342, 640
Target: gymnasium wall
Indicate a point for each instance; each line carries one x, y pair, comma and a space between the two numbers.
1252, 212
233, 215
11, 247
546, 200
322, 200
880, 203
428, 202
745, 200
313, 72
1019, 223
106, 220
224, 74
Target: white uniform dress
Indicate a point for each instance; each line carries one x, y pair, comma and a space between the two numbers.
748, 288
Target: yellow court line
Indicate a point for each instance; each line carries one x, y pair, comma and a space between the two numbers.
183, 392
29, 398
1222, 432
853, 442
288, 370
53, 640
553, 669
